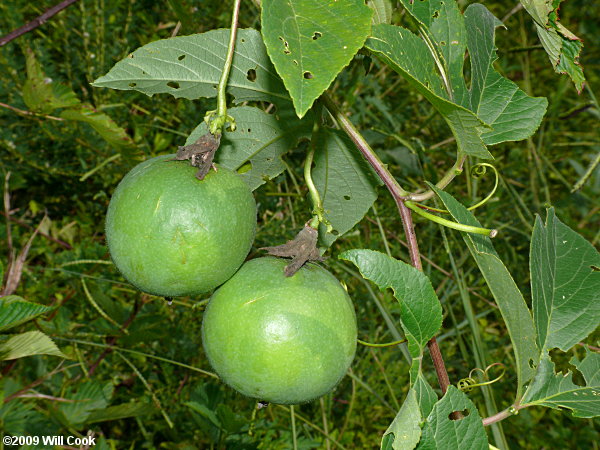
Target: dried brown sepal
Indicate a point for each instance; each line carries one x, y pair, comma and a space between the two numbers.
200, 154
301, 249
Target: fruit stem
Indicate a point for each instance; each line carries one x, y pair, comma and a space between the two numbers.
217, 119
315, 198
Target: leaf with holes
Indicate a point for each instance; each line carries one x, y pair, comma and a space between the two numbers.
420, 309
28, 344
442, 431
557, 391
382, 11
562, 46
565, 284
15, 310
345, 181
310, 42
494, 109
191, 66
260, 139
504, 289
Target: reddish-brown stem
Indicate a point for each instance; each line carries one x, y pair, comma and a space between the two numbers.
399, 195
35, 22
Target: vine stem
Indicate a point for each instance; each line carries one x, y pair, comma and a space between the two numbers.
310, 184
400, 196
217, 123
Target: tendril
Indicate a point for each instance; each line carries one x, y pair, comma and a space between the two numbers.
477, 171
389, 344
467, 384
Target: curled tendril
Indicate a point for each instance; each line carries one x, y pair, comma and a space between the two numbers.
477, 171
467, 384
389, 344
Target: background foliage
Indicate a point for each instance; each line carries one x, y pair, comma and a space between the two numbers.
63, 172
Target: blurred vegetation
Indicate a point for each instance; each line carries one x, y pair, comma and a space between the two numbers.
47, 160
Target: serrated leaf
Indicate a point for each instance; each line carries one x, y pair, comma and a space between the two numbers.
408, 55
561, 45
556, 390
311, 41
15, 310
91, 395
404, 432
346, 183
260, 139
40, 93
191, 66
28, 344
420, 309
512, 114
441, 432
382, 11
122, 411
564, 284
494, 109
102, 124
506, 293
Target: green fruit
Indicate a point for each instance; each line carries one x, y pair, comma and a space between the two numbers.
280, 339
171, 234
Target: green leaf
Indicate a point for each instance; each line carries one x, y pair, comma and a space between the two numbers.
28, 344
556, 390
512, 114
40, 93
408, 55
91, 395
260, 139
564, 284
502, 286
122, 411
310, 42
191, 66
562, 46
441, 432
382, 11
15, 310
494, 109
205, 412
404, 432
346, 183
426, 396
102, 124
420, 309
424, 11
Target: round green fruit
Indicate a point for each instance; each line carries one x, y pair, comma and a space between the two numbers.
171, 234
280, 339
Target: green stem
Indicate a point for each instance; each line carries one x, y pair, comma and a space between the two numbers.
449, 223
315, 198
216, 124
455, 170
389, 344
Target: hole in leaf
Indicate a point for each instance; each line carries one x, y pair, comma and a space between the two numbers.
287, 52
454, 415
242, 40
316, 36
132, 84
245, 168
442, 42
144, 73
295, 62
249, 130
251, 75
181, 57
308, 75
346, 197
531, 363
595, 268
173, 84
335, 232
